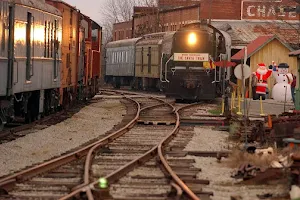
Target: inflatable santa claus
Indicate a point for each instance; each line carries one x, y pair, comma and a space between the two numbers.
262, 74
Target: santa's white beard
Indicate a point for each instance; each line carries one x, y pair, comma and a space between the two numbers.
262, 71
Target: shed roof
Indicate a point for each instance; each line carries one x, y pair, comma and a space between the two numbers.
244, 32
295, 53
256, 45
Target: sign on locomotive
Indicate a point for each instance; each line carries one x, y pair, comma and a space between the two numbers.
192, 57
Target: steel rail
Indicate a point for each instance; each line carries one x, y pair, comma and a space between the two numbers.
8, 182
91, 154
139, 161
87, 186
167, 167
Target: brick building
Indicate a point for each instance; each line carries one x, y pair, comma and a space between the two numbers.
122, 30
176, 3
244, 20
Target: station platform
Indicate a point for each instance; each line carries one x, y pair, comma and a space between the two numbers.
270, 107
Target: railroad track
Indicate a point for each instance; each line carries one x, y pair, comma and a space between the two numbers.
151, 142
48, 181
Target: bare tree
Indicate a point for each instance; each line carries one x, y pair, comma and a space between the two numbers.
116, 11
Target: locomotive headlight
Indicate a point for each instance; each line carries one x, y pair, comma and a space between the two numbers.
192, 39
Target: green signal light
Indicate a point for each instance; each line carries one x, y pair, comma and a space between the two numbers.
102, 183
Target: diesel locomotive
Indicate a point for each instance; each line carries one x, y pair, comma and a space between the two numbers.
180, 63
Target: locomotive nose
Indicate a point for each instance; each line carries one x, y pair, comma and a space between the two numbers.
190, 84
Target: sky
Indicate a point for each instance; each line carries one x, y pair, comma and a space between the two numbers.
90, 8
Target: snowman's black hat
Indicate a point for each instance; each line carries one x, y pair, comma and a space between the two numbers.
283, 65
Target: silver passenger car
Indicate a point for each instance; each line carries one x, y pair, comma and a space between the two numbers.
30, 57
120, 56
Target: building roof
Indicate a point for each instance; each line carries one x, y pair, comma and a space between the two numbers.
243, 32
256, 45
295, 53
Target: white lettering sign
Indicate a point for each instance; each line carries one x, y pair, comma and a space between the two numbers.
192, 57
259, 10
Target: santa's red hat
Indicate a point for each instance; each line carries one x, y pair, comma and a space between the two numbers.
261, 65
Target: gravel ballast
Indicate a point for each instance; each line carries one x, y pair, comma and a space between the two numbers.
89, 123
218, 173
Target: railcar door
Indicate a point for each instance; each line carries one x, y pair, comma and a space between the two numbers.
11, 28
81, 63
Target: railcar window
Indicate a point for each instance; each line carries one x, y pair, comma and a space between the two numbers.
142, 61
149, 59
45, 40
28, 46
55, 49
68, 60
71, 17
48, 40
51, 40
2, 32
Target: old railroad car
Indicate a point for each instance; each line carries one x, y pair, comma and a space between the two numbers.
120, 62
70, 48
148, 59
31, 33
96, 56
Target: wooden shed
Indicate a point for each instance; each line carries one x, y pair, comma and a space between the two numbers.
265, 49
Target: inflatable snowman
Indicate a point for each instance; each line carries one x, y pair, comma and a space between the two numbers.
282, 89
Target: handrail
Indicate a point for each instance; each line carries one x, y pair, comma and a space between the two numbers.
161, 69
166, 69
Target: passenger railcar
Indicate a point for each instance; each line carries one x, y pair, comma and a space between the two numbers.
120, 62
148, 59
49, 56
30, 58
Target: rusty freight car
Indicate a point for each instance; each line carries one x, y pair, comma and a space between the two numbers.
70, 46
92, 56
96, 56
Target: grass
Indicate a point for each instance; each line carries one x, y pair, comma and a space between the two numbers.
216, 111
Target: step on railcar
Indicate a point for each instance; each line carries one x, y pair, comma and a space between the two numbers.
30, 59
